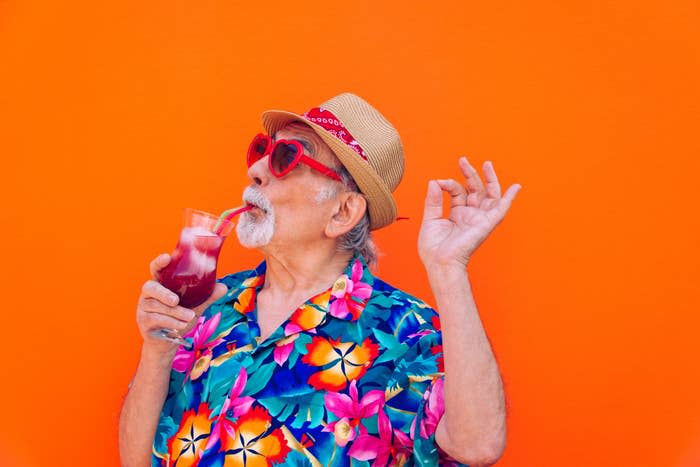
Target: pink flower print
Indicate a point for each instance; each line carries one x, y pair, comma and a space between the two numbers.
433, 409
349, 294
422, 333
283, 348
195, 361
233, 407
351, 411
391, 443
343, 431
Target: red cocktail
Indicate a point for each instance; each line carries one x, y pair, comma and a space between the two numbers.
191, 273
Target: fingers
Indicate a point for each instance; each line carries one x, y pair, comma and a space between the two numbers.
433, 202
502, 205
158, 308
159, 263
510, 193
475, 186
473, 194
155, 290
178, 312
493, 188
458, 193
219, 291
152, 321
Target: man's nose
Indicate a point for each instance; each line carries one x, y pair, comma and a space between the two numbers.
259, 172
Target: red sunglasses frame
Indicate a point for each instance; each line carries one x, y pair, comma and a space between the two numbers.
253, 156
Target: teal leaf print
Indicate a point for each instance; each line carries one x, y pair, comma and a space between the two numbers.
375, 377
393, 354
259, 379
388, 341
382, 301
229, 317
296, 459
377, 314
305, 407
218, 380
419, 366
166, 428
301, 342
260, 357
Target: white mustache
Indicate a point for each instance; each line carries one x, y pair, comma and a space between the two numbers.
254, 195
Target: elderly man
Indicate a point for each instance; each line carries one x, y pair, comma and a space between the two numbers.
309, 359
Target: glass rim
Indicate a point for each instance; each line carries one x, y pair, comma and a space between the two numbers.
212, 220
209, 236
199, 211
205, 214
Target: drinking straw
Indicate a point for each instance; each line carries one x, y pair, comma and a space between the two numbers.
228, 215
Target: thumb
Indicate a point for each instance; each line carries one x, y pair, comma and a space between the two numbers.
433, 202
219, 291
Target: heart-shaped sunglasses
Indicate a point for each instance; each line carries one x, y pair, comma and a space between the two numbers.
284, 156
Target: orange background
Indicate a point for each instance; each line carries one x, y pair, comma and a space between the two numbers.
114, 116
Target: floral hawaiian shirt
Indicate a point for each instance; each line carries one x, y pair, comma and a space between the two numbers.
354, 377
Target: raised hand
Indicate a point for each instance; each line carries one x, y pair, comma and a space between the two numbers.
475, 210
158, 308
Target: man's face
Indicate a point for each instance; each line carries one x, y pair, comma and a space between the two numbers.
296, 207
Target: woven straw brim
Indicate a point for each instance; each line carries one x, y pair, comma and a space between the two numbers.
380, 202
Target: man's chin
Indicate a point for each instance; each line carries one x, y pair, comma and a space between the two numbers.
253, 234
252, 245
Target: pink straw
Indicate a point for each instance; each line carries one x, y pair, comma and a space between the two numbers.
228, 215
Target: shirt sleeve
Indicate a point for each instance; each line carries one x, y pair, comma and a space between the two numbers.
426, 376
168, 420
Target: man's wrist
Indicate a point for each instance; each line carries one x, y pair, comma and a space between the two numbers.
446, 279
445, 270
157, 355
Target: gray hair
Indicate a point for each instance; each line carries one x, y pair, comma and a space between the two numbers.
359, 238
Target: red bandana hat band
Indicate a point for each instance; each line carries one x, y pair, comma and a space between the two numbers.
330, 123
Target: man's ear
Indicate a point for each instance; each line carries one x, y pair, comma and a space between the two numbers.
350, 209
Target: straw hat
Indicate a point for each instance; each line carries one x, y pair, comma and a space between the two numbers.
365, 142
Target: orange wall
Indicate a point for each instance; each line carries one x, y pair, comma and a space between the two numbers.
116, 115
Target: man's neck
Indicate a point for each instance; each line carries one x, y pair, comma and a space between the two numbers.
299, 271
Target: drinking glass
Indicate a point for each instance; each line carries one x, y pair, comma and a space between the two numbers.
191, 273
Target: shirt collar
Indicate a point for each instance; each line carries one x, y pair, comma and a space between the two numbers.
345, 299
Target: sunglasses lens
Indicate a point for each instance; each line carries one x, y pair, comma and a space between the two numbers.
257, 150
260, 147
283, 156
